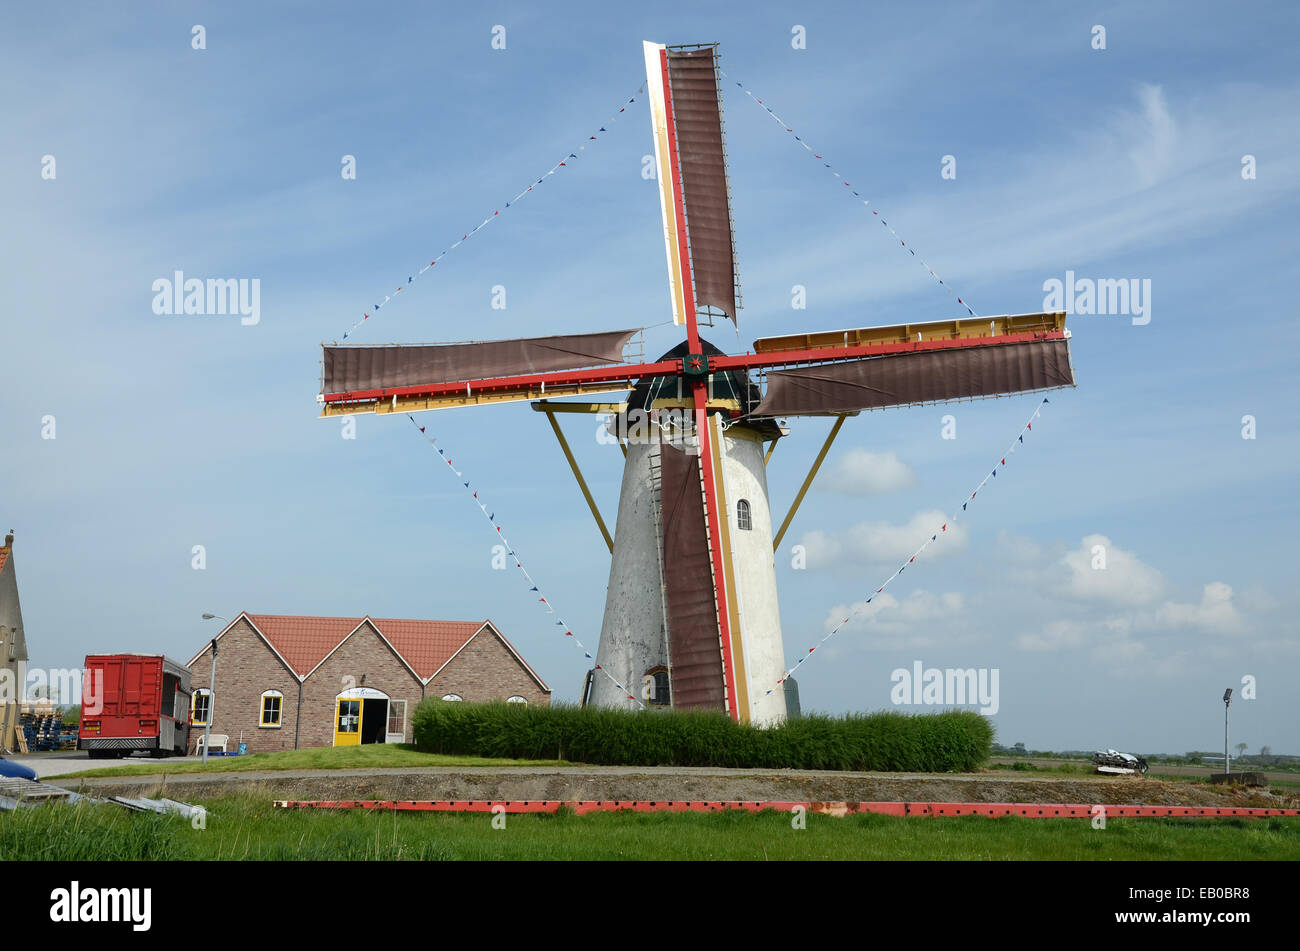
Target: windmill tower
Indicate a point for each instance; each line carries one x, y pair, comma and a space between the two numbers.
691, 609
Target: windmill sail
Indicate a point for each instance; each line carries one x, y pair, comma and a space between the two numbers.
692, 614
907, 364
686, 117
923, 377
362, 369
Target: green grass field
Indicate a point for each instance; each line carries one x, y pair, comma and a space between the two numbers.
372, 756
249, 828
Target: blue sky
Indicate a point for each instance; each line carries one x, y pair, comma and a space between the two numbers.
224, 162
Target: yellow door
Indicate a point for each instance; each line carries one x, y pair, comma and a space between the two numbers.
347, 721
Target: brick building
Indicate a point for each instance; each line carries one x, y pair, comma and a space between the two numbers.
288, 682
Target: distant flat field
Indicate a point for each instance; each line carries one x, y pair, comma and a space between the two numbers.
1157, 769
246, 827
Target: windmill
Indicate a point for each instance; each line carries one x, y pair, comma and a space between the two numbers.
691, 609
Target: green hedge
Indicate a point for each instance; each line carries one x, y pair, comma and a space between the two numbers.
951, 741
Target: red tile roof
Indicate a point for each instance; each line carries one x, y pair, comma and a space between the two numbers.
4, 556
304, 642
426, 645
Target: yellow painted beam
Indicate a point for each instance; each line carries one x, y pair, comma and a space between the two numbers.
771, 449
961, 327
688, 402
812, 474
582, 483
546, 406
414, 404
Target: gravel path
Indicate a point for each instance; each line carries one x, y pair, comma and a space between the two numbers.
669, 783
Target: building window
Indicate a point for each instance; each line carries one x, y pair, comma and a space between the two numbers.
397, 718
657, 686
272, 702
453, 696
743, 521
517, 700
202, 705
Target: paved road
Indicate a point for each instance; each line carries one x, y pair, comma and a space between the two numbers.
59, 762
73, 761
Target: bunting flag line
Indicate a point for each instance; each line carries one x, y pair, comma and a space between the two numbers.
562, 163
865, 201
942, 529
533, 586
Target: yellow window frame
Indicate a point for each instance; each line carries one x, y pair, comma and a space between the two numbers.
194, 707
279, 708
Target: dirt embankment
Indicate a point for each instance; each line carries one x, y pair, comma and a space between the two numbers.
639, 783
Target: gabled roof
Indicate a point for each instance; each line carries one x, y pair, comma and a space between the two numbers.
426, 645
303, 643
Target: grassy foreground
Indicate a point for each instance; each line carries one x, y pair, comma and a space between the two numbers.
373, 756
248, 828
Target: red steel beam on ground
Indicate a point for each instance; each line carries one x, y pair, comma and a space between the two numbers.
637, 371
1028, 810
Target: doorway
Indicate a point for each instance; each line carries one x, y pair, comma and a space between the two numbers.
360, 716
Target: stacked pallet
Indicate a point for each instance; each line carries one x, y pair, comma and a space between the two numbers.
40, 731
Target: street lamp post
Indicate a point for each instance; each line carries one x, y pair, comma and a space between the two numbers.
212, 686
1227, 702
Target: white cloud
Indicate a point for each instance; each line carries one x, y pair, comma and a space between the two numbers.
1099, 570
876, 543
1055, 635
1120, 653
860, 472
1154, 133
1216, 613
891, 624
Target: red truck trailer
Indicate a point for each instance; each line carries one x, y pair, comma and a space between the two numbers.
134, 702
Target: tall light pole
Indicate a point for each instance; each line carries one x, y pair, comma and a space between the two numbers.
1227, 702
212, 686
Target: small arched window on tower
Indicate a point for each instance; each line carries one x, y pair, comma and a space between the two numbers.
659, 690
743, 521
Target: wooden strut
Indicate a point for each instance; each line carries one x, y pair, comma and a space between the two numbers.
577, 474
812, 474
